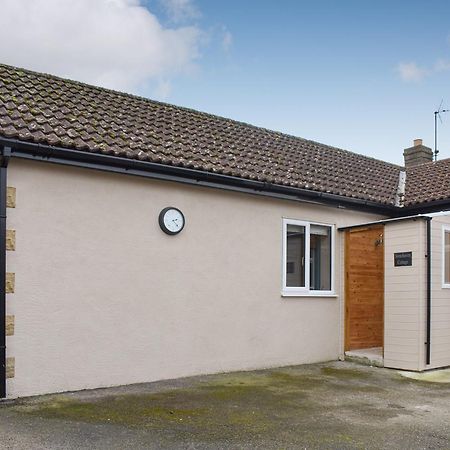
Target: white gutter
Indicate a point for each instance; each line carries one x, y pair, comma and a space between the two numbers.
396, 219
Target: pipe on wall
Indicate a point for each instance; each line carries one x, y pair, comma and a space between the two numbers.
428, 287
5, 155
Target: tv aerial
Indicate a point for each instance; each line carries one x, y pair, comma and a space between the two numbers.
436, 115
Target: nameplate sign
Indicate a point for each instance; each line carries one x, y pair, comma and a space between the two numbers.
402, 259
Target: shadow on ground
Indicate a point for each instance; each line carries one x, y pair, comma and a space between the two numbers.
334, 405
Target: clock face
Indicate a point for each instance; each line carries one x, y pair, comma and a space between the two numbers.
171, 220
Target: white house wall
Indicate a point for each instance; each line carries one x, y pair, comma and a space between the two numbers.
103, 297
404, 302
440, 298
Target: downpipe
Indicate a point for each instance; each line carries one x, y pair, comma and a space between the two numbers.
428, 307
5, 155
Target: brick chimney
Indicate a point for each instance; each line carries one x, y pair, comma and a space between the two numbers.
417, 154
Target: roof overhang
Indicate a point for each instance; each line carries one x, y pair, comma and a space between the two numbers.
97, 161
109, 163
428, 216
388, 221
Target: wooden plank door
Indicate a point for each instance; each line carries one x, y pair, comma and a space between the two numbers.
364, 288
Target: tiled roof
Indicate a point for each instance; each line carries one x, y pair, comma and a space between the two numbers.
49, 110
428, 182
46, 109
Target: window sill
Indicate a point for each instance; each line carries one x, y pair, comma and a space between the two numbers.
309, 294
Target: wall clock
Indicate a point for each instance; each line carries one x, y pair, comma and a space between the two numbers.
171, 220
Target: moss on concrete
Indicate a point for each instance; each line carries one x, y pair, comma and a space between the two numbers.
345, 374
251, 404
212, 409
322, 405
240, 398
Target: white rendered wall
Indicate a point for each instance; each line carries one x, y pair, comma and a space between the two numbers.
103, 297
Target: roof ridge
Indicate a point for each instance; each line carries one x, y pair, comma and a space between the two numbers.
428, 164
191, 110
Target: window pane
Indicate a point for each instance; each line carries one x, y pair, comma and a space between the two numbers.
320, 258
447, 258
295, 256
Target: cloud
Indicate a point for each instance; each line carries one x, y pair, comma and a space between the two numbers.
118, 44
227, 39
411, 71
180, 10
163, 90
442, 65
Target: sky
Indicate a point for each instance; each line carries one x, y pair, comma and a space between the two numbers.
356, 74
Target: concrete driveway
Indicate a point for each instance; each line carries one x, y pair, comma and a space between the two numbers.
333, 405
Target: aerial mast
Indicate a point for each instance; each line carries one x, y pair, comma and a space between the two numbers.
436, 115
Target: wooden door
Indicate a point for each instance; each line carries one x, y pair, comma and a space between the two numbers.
364, 288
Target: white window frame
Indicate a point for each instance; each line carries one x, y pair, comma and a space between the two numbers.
291, 291
445, 229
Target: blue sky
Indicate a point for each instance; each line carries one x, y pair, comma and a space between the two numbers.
328, 70
361, 75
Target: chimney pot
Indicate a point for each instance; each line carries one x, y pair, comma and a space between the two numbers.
417, 142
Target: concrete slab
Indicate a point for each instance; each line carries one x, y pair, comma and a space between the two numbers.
432, 376
367, 356
336, 405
